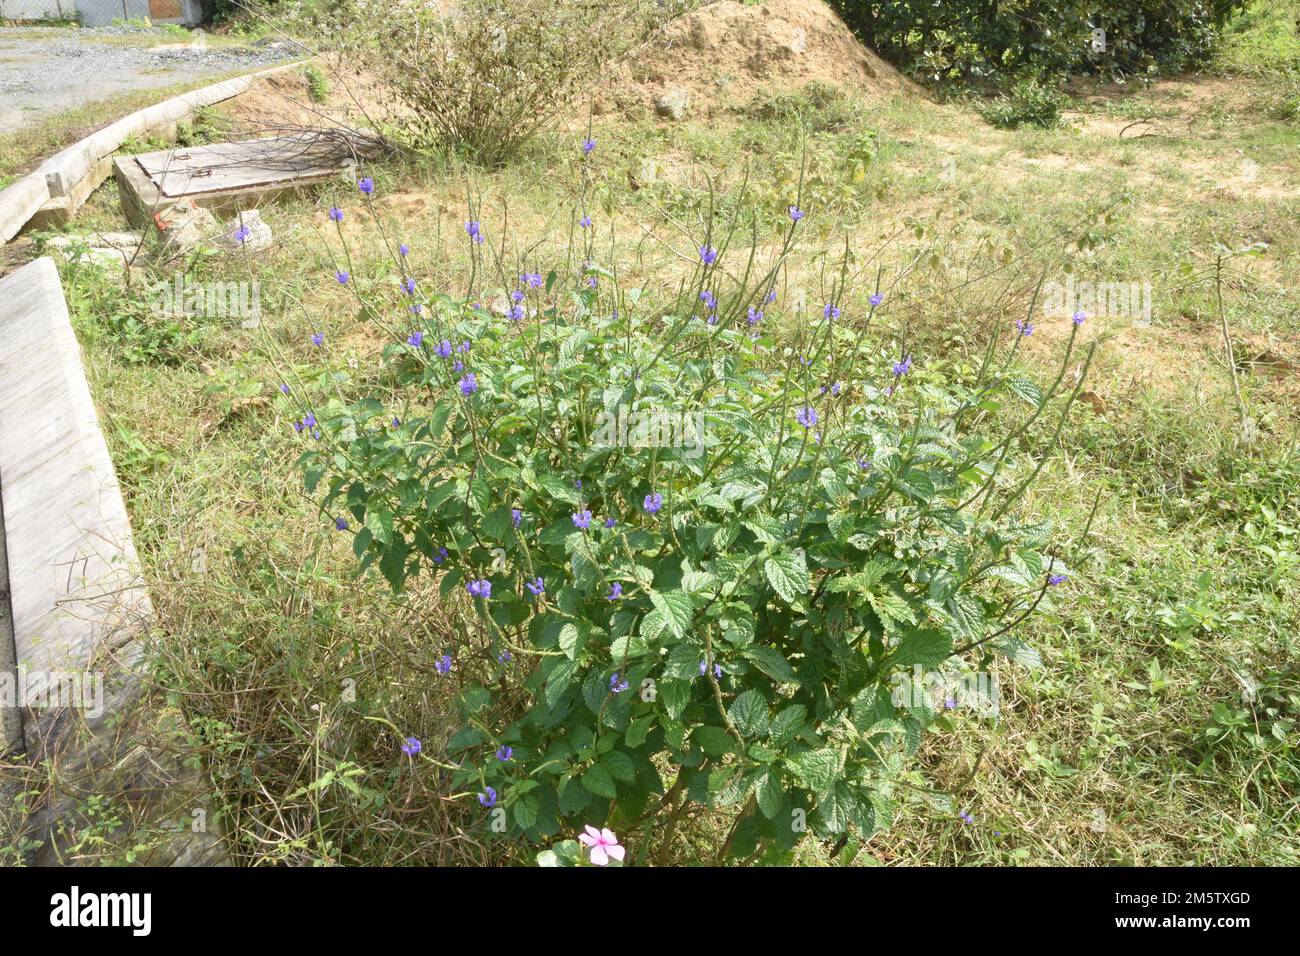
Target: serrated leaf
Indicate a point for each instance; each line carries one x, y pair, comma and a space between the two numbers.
749, 713
676, 609
928, 647
788, 574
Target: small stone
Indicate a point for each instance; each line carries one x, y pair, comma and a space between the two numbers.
258, 234
674, 104
185, 226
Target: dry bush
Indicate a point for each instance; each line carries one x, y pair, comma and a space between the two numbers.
483, 76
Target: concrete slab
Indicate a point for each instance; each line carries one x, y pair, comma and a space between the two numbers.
231, 176
80, 610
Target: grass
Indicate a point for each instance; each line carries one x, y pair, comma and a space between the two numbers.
1160, 728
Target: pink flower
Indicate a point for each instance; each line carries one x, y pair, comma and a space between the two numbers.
603, 843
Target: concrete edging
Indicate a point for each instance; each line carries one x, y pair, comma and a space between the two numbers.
80, 608
72, 174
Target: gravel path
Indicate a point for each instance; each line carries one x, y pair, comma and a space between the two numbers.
45, 71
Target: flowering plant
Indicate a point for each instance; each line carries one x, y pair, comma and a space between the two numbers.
642, 629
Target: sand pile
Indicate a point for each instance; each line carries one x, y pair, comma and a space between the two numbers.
725, 53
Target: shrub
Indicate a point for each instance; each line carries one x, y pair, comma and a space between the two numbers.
973, 39
690, 547
486, 77
1026, 103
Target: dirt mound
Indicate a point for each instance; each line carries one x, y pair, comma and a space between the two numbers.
725, 53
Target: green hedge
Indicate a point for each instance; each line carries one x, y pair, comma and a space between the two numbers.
975, 39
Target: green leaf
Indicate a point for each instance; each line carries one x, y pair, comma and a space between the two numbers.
570, 641
526, 811
558, 682
788, 575
749, 714
787, 723
770, 796
600, 781
619, 765
676, 610
771, 663
714, 741
926, 646
814, 769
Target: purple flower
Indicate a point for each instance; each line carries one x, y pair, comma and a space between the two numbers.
532, 279
516, 516
242, 233
1023, 327
412, 746
488, 797
458, 366
704, 668
517, 296
504, 657
713, 318
864, 463
481, 588
474, 230
610, 522
1055, 579
710, 302
444, 349
341, 524
582, 519
796, 213
310, 420
754, 316
408, 285
965, 817
284, 388
806, 416
653, 503
367, 186
617, 686
505, 752
440, 556
876, 299
517, 313
592, 282
443, 665
465, 346
585, 221
1079, 317
587, 146
771, 296
415, 340
468, 384
342, 277
615, 592
903, 367
416, 309
336, 214
537, 586
708, 255
831, 311
318, 339
404, 250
